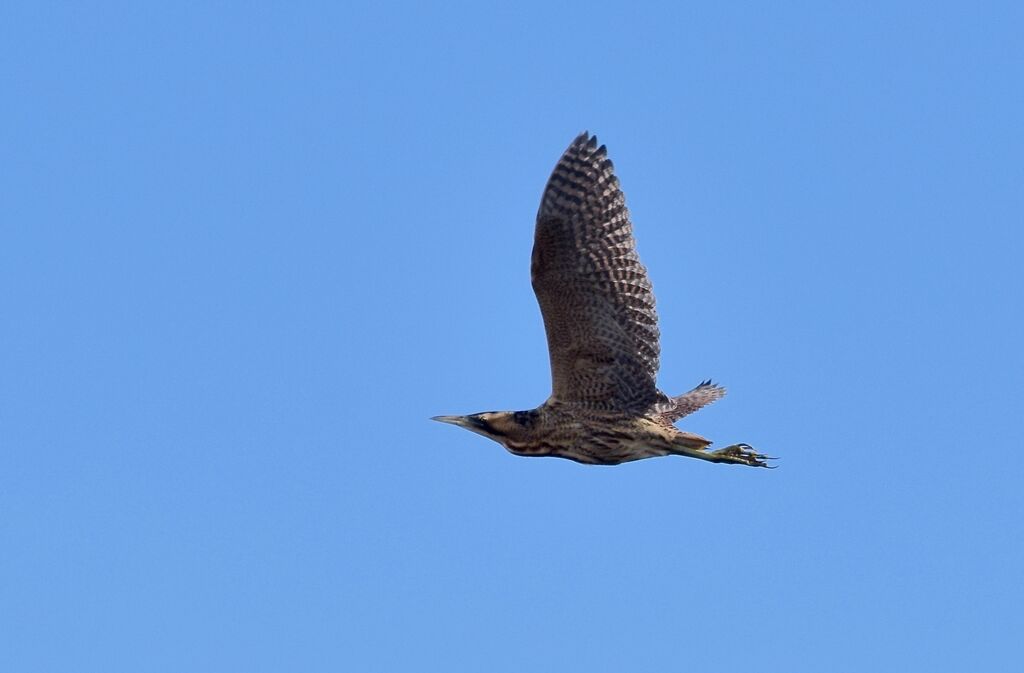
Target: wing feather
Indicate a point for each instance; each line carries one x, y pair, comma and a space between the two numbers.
594, 293
687, 403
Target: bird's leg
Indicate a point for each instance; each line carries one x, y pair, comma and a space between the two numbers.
740, 454
737, 454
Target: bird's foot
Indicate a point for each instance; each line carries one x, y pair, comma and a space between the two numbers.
742, 454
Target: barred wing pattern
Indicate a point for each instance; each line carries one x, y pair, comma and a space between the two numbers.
687, 403
593, 291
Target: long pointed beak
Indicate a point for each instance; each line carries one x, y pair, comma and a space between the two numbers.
452, 420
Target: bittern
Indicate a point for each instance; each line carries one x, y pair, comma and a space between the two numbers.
598, 307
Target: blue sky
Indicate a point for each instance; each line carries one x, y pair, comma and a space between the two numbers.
247, 250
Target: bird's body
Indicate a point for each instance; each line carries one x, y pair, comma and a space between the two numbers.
602, 330
585, 436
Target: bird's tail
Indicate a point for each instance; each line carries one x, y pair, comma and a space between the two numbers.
685, 443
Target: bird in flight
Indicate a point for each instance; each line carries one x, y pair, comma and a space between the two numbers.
598, 307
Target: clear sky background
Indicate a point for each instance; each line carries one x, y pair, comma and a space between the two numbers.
247, 250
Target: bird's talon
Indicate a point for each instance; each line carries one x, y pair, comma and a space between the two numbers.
743, 454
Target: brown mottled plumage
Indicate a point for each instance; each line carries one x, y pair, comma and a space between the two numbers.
598, 307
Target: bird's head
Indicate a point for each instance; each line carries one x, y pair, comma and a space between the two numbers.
504, 427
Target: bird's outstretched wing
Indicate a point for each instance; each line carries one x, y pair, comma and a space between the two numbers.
593, 291
687, 403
